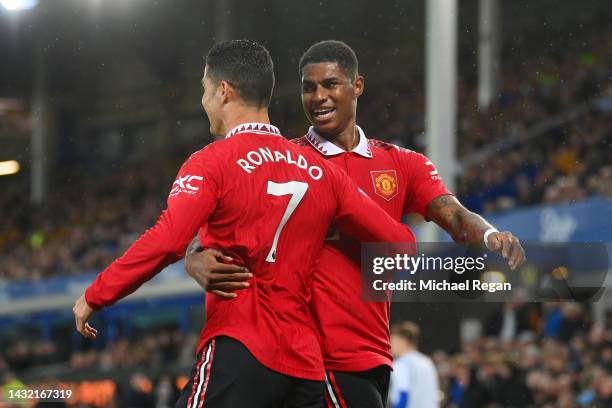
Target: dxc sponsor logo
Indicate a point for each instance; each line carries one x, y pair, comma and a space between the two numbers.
183, 185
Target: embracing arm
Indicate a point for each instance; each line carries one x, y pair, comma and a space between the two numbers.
462, 224
465, 226
214, 271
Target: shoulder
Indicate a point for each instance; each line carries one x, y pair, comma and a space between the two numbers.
209, 150
300, 141
407, 156
207, 157
379, 144
393, 148
302, 146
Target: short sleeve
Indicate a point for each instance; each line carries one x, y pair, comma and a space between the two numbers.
424, 183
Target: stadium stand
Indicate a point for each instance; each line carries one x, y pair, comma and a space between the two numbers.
555, 357
559, 359
547, 139
84, 225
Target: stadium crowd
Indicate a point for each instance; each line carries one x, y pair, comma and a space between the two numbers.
152, 351
146, 360
531, 161
83, 225
544, 355
552, 356
550, 142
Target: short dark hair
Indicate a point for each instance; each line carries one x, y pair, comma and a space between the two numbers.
408, 330
247, 66
331, 51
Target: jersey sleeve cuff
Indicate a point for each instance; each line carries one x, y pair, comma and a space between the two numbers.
90, 299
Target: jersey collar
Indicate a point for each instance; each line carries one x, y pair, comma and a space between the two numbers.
260, 128
327, 148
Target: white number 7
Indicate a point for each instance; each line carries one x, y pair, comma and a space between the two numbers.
297, 189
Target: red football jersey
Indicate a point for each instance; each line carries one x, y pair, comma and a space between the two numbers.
354, 334
268, 203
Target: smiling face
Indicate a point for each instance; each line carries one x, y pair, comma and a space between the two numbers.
329, 97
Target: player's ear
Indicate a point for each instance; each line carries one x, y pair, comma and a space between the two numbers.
226, 91
359, 85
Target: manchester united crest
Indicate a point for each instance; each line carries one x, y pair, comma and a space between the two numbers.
385, 183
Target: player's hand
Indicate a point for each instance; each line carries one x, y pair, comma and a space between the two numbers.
214, 273
82, 314
508, 246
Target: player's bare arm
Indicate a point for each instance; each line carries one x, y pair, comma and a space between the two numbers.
466, 226
214, 271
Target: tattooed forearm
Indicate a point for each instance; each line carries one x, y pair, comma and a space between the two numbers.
465, 226
462, 224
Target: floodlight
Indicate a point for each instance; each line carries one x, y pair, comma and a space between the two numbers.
17, 5
8, 167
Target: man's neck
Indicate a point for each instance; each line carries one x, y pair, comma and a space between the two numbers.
244, 114
347, 140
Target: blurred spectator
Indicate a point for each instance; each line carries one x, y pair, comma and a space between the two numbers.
414, 380
465, 389
601, 182
565, 189
166, 392
513, 318
139, 393
572, 321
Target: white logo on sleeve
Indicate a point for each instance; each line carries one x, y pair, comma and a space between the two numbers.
434, 173
184, 185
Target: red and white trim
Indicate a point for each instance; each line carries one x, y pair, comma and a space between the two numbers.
202, 377
259, 128
333, 396
327, 148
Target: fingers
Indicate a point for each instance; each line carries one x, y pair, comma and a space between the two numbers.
506, 247
222, 277
219, 255
215, 273
85, 328
510, 248
223, 268
224, 295
517, 258
225, 258
208, 262
89, 332
228, 286
215, 252
226, 283
512, 254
